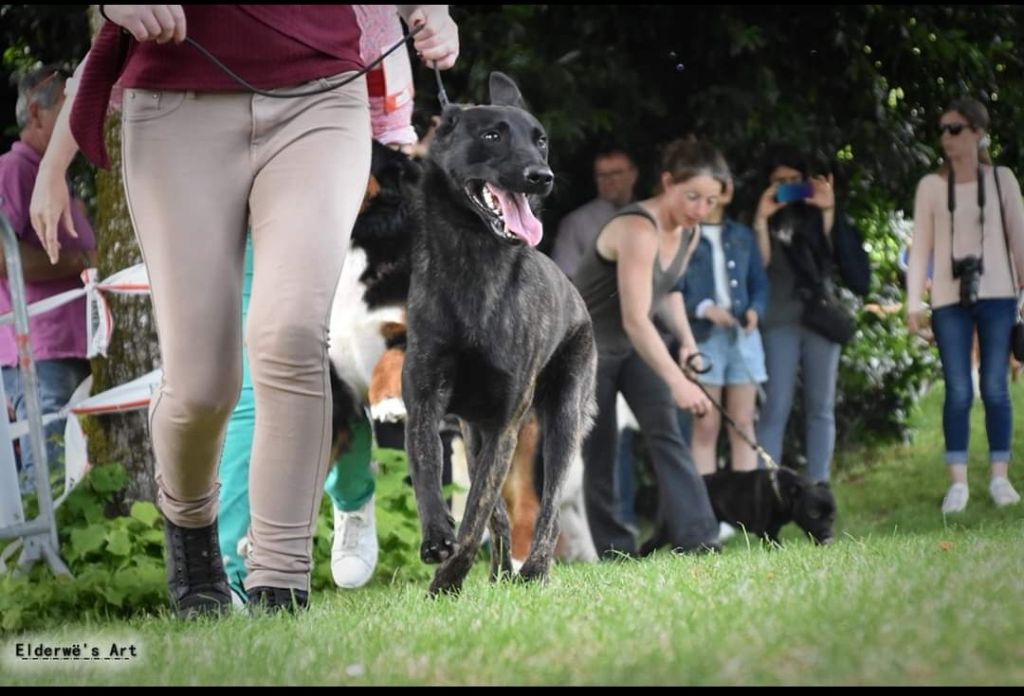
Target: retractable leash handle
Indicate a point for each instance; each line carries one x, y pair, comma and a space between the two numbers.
691, 365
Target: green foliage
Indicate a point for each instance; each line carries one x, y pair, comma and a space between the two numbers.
116, 561
884, 369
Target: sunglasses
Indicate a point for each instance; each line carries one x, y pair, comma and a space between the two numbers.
952, 128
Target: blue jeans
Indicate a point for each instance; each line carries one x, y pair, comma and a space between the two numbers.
954, 332
787, 348
57, 381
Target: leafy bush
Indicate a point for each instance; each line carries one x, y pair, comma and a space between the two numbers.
118, 564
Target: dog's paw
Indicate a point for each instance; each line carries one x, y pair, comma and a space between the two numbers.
438, 545
440, 588
533, 571
449, 578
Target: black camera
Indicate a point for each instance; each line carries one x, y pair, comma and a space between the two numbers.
968, 270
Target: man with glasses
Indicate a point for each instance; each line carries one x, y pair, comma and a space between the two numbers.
58, 336
615, 176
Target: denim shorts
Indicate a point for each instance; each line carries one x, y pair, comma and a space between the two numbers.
736, 357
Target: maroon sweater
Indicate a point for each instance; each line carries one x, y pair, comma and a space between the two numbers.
267, 45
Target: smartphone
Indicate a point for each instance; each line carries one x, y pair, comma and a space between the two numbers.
787, 193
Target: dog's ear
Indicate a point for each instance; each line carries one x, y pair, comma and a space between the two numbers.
449, 119
504, 91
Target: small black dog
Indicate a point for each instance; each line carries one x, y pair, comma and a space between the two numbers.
494, 328
747, 499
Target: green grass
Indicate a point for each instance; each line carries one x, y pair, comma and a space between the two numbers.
903, 597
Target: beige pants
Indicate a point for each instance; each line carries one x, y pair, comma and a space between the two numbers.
199, 168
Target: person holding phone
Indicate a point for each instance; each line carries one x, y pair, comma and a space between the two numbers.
794, 224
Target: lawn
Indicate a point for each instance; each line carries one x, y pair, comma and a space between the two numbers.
903, 597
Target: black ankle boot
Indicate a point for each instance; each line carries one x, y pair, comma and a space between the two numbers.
275, 599
196, 581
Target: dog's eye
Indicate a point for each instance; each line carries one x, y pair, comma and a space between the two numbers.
542, 143
491, 136
814, 513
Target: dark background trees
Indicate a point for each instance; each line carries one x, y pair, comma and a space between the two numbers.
859, 88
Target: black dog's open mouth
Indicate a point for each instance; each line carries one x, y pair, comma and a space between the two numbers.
507, 213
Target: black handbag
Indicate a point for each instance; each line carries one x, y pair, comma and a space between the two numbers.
823, 312
826, 316
1017, 333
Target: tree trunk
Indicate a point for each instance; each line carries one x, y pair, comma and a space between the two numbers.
133, 350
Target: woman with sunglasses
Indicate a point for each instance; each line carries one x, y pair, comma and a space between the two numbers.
969, 221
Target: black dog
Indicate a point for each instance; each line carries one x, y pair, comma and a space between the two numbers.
748, 500
494, 327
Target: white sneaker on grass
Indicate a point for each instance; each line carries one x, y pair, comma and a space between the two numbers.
725, 532
956, 499
1002, 492
354, 549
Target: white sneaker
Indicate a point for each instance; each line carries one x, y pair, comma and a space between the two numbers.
1002, 492
354, 550
956, 499
725, 532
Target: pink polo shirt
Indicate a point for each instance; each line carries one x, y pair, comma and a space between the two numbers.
59, 333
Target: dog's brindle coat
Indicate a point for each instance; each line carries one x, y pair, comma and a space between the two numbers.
494, 328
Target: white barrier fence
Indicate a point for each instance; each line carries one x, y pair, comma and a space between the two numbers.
39, 536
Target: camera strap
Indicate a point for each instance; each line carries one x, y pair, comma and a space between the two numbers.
951, 206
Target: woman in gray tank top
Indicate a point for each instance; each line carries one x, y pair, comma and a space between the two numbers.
624, 278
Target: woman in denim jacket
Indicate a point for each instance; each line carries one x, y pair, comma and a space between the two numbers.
726, 292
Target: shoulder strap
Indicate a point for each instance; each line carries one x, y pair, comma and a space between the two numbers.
1006, 233
635, 209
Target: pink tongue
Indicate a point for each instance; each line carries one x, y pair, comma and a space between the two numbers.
518, 217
